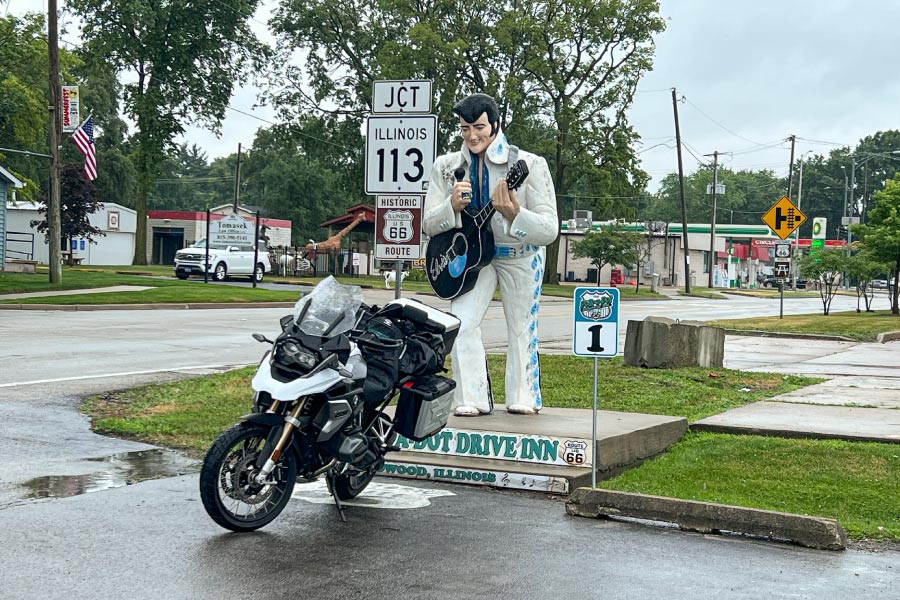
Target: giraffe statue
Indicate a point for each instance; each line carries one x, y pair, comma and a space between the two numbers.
333, 243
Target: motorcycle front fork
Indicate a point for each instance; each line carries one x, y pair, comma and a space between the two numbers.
291, 422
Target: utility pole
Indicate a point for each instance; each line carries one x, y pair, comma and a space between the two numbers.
54, 218
795, 266
684, 230
237, 180
712, 224
793, 139
846, 205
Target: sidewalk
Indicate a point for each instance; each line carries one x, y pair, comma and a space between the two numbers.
102, 290
859, 401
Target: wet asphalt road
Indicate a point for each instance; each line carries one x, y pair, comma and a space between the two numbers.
152, 539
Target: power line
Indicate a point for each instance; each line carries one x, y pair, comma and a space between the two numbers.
697, 108
823, 142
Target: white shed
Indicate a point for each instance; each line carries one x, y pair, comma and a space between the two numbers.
115, 247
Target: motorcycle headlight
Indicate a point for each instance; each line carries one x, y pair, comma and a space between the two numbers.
297, 355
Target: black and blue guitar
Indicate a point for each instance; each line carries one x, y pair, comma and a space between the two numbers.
454, 258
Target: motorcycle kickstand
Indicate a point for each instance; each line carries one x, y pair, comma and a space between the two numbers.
329, 479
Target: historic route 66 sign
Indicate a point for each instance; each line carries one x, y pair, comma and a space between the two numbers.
596, 312
398, 226
782, 250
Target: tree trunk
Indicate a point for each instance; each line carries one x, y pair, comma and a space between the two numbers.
140, 206
894, 290
551, 262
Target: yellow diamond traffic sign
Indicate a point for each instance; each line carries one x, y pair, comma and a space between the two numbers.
784, 217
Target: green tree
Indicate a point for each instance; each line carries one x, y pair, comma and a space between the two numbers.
185, 58
78, 200
611, 245
563, 71
23, 98
826, 267
862, 268
881, 235
877, 163
748, 194
186, 182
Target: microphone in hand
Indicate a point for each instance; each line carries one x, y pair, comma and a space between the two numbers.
459, 174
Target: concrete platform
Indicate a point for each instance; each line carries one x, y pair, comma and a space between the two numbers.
807, 420
549, 452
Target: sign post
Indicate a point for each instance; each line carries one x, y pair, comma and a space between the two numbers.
783, 218
596, 326
401, 142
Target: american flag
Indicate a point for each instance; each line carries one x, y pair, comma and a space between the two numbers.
84, 139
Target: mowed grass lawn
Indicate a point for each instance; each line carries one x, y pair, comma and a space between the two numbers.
190, 413
861, 326
856, 483
167, 289
163, 290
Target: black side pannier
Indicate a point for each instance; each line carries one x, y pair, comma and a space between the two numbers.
424, 407
394, 348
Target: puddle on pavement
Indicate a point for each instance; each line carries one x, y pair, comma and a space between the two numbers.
118, 470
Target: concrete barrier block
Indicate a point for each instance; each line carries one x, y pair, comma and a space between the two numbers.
659, 342
707, 517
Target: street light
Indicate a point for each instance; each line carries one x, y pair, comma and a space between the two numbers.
858, 163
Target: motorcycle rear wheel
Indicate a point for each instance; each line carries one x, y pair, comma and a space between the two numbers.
228, 489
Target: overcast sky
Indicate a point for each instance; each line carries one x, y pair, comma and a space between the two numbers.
752, 73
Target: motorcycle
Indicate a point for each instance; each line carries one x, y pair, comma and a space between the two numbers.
320, 396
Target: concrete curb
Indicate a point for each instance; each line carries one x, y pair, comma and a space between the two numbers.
186, 306
778, 334
888, 336
706, 517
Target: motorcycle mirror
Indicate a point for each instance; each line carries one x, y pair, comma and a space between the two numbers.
261, 338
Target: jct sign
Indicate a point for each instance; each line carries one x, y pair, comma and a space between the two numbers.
398, 227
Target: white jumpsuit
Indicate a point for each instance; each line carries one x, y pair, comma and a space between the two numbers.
518, 266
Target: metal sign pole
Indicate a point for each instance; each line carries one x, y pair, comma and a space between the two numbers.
255, 248
595, 461
398, 267
206, 260
781, 303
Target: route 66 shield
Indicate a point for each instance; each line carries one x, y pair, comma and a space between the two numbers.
398, 226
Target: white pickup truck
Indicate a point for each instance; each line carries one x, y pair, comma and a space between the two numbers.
223, 261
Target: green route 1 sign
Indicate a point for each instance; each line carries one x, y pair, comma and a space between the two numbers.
596, 321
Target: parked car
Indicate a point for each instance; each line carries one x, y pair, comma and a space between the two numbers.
880, 284
771, 282
223, 261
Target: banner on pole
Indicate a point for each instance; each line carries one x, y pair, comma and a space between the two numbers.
71, 108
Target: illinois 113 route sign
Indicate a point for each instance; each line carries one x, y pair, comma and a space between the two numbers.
784, 217
596, 312
399, 153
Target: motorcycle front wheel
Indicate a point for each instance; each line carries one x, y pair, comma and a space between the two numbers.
228, 487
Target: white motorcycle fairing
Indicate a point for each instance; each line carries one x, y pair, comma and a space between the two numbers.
291, 390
